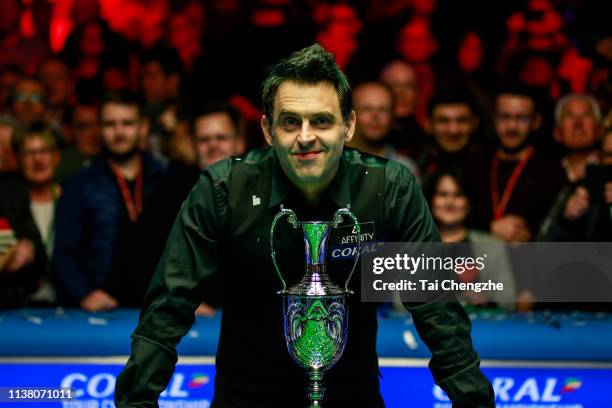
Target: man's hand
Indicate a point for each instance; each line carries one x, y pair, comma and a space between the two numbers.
577, 205
205, 310
98, 300
525, 301
5, 258
511, 228
475, 298
20, 255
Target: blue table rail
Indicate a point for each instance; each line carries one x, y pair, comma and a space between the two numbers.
548, 360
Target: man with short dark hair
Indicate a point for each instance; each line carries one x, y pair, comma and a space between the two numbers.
28, 101
84, 135
98, 213
59, 87
520, 184
407, 135
161, 84
451, 124
223, 229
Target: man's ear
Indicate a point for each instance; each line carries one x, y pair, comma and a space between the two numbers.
143, 132
350, 127
266, 128
537, 122
475, 122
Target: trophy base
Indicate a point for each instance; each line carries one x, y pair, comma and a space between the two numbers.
316, 391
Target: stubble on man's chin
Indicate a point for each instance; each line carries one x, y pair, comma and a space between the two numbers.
121, 157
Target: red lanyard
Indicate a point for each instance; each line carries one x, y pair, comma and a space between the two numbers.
499, 206
133, 205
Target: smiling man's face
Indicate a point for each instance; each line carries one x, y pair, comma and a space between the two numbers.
308, 133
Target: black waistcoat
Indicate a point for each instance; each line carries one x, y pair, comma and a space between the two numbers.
254, 368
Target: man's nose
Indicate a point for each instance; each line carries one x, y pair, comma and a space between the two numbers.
453, 127
306, 135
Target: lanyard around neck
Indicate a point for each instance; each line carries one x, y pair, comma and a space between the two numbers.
133, 205
500, 205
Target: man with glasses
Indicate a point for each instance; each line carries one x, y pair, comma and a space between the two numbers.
515, 187
38, 157
28, 102
373, 103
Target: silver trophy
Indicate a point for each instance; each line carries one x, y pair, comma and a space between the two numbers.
315, 310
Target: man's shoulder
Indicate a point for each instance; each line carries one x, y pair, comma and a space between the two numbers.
395, 172
354, 157
222, 170
90, 180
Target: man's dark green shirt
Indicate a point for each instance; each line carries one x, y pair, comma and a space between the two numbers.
222, 230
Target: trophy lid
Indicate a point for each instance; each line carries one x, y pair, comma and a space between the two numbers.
315, 283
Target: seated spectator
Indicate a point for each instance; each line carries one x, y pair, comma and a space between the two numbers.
218, 133
583, 212
451, 124
417, 45
38, 157
85, 136
577, 129
161, 82
97, 215
450, 208
8, 161
407, 135
28, 102
514, 188
373, 104
9, 75
20, 249
59, 87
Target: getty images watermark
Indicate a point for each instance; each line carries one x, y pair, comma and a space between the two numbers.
491, 271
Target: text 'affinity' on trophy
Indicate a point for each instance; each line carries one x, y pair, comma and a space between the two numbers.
315, 310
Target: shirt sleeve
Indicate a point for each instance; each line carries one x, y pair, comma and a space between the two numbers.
442, 324
191, 253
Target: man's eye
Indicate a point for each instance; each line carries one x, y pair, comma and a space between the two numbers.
290, 122
322, 121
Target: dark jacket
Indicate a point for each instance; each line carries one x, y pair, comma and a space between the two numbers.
15, 207
88, 216
223, 229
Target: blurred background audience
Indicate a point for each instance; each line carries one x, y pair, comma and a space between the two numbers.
110, 109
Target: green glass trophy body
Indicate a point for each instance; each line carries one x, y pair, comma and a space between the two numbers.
315, 310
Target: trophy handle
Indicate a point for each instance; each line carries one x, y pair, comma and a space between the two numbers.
336, 221
292, 219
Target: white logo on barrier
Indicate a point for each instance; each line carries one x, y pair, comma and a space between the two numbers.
507, 390
102, 385
410, 340
99, 386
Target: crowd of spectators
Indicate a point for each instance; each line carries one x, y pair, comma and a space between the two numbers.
502, 111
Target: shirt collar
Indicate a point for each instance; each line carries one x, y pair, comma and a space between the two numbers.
339, 190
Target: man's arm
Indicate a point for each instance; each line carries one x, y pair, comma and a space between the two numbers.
442, 324
69, 220
191, 253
